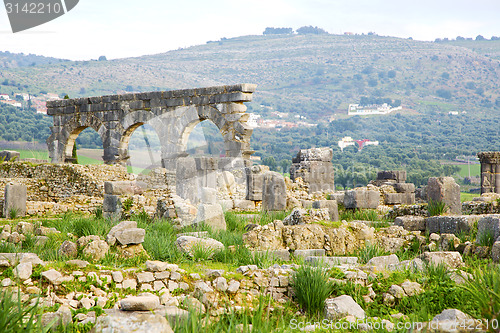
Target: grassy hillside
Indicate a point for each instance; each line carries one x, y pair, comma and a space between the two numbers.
313, 75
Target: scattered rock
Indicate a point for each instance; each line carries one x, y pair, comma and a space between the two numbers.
96, 249
339, 307
188, 244
68, 249
140, 303
128, 322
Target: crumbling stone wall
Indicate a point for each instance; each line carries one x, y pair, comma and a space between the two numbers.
315, 167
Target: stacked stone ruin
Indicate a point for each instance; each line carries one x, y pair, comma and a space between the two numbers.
405, 192
490, 171
315, 167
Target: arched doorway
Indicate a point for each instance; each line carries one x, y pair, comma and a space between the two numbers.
204, 139
88, 145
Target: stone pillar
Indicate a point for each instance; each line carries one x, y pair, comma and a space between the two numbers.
273, 192
255, 180
490, 171
315, 167
15, 200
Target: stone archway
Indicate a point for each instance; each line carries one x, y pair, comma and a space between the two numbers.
170, 113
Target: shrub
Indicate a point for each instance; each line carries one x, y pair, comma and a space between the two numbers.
312, 287
435, 208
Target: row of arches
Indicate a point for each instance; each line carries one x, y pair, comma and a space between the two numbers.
145, 140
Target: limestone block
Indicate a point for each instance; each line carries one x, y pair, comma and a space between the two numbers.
361, 199
244, 204
398, 175
212, 215
9, 155
411, 223
488, 226
122, 188
15, 197
140, 303
399, 198
331, 205
449, 258
130, 236
404, 187
451, 224
255, 180
273, 192
342, 306
208, 195
187, 244
445, 189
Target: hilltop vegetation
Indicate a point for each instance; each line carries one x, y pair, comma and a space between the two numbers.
315, 76
308, 74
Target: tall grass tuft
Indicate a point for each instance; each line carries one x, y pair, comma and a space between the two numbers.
16, 316
159, 242
486, 238
362, 215
370, 251
312, 287
435, 208
484, 291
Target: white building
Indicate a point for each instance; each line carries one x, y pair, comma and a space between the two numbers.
356, 110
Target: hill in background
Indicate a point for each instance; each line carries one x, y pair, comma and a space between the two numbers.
312, 75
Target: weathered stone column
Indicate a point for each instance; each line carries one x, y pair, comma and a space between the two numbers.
490, 171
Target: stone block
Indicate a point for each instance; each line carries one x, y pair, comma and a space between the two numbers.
122, 188
445, 189
398, 175
361, 199
244, 204
309, 253
450, 224
323, 154
128, 322
208, 195
331, 261
404, 187
399, 198
212, 215
111, 203
342, 306
15, 197
255, 180
331, 205
410, 222
488, 226
319, 176
273, 192
130, 236
449, 258
9, 155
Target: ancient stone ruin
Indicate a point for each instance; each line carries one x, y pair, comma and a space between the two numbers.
315, 168
490, 171
173, 115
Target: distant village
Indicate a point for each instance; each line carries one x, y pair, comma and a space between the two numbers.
24, 100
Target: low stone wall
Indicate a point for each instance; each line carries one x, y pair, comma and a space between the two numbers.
55, 182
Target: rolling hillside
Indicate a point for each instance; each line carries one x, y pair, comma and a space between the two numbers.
312, 75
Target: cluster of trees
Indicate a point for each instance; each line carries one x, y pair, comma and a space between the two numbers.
460, 38
27, 125
305, 30
416, 144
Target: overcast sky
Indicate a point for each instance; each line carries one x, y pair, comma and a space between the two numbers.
126, 28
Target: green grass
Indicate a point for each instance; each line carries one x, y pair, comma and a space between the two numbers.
464, 196
312, 287
436, 208
475, 170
